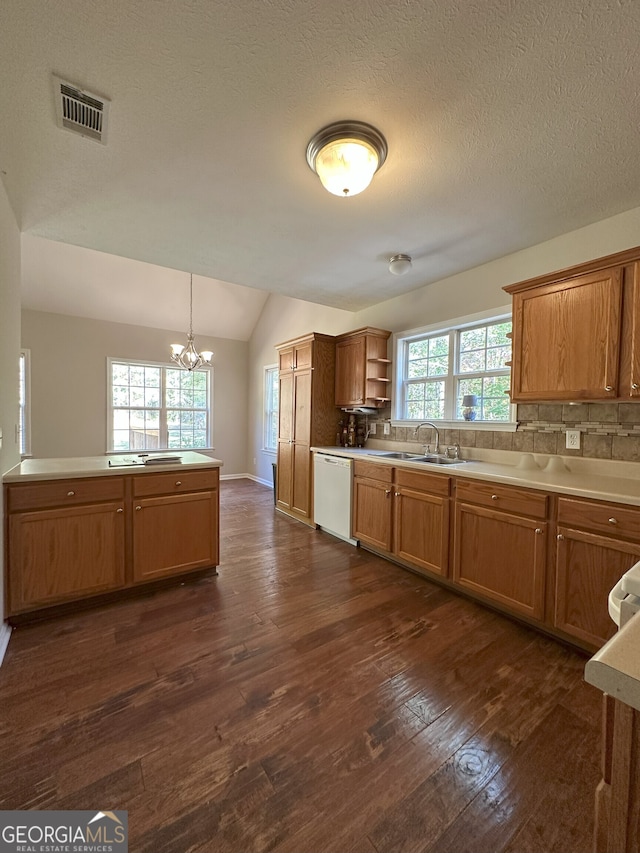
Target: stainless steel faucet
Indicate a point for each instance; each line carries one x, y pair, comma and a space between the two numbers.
435, 429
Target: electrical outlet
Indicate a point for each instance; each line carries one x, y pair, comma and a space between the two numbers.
387, 429
573, 439
372, 428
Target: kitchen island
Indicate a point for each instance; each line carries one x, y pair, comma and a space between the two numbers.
77, 528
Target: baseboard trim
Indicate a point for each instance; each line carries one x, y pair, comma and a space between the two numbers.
247, 477
5, 636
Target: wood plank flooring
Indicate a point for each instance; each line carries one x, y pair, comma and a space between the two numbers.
312, 697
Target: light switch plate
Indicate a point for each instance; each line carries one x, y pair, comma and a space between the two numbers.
372, 428
387, 429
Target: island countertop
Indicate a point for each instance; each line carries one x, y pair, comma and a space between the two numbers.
72, 467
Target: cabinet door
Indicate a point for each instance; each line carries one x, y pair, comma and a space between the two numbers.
421, 525
61, 554
174, 534
502, 557
372, 512
350, 372
588, 566
567, 339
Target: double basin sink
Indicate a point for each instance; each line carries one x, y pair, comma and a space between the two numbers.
428, 459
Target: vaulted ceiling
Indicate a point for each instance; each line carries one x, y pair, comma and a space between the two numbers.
507, 123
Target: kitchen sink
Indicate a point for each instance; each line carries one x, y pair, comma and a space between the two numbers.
429, 459
412, 456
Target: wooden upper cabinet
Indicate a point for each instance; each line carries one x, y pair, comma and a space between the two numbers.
361, 368
567, 339
575, 332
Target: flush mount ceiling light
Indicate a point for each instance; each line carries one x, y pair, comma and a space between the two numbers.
399, 264
346, 155
189, 357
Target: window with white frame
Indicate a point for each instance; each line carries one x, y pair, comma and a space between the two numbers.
438, 369
154, 406
271, 402
24, 419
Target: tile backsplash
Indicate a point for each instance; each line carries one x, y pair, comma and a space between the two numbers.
607, 431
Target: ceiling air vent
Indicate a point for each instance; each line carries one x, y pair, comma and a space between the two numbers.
81, 112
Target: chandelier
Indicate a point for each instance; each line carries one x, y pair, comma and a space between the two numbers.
189, 357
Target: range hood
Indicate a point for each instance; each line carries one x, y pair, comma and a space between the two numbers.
360, 410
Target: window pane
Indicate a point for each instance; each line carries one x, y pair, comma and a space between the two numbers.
418, 368
136, 374
497, 356
473, 339
418, 349
120, 396
472, 362
438, 366
152, 397
121, 419
120, 374
415, 410
152, 377
439, 346
497, 335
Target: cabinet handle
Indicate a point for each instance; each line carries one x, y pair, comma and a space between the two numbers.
608, 387
178, 482
560, 537
613, 521
397, 494
387, 492
120, 509
70, 494
494, 497
138, 508
635, 386
538, 530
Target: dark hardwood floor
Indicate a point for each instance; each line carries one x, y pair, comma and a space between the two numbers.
312, 697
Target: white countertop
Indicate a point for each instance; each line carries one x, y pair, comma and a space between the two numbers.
615, 669
597, 479
98, 466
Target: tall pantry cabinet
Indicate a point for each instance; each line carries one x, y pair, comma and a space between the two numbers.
307, 417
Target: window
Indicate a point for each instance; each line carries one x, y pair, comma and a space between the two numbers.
24, 420
437, 369
271, 395
157, 407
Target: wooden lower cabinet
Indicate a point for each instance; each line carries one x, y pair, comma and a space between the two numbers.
373, 510
174, 534
421, 520
617, 810
403, 512
500, 554
64, 554
587, 567
72, 539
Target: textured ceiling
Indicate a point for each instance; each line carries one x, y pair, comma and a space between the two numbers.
508, 122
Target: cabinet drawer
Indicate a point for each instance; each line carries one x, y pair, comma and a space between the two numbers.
508, 498
52, 493
433, 483
175, 482
384, 473
614, 520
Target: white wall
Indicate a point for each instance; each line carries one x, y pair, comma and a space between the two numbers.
282, 318
9, 357
469, 292
68, 383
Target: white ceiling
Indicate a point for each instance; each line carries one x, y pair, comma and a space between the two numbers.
508, 122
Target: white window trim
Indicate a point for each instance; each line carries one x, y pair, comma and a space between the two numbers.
446, 327
272, 450
26, 409
163, 364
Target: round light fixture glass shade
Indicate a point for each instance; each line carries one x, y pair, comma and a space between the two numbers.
346, 156
399, 264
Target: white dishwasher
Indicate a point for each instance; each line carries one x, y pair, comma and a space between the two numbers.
332, 495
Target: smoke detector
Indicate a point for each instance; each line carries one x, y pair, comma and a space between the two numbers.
80, 112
